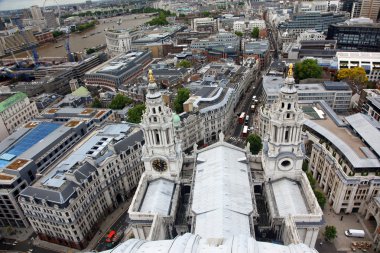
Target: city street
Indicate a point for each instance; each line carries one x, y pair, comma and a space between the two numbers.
8, 245
245, 106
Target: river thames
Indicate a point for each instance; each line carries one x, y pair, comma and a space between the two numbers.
89, 38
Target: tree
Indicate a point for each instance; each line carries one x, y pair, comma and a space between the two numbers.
119, 102
96, 103
312, 180
182, 95
307, 69
184, 64
320, 198
57, 33
356, 77
330, 233
135, 113
206, 14
255, 33
255, 143
305, 165
90, 50
240, 34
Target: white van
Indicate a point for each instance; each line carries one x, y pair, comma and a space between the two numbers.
354, 233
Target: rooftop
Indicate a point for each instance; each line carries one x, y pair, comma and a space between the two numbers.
289, 197
58, 185
28, 138
9, 99
158, 197
222, 201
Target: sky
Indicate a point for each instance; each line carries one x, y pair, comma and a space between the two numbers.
22, 4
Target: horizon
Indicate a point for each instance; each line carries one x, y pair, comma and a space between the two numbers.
9, 5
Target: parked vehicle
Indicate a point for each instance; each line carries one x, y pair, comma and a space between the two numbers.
242, 118
354, 233
245, 131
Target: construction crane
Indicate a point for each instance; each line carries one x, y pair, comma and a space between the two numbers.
70, 56
32, 47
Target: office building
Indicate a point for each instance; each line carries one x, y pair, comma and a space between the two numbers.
118, 41
223, 39
356, 34
204, 24
370, 9
118, 70
35, 10
318, 21
15, 110
259, 50
29, 151
369, 61
51, 19
335, 94
65, 205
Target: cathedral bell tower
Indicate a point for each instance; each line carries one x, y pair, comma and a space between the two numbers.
282, 153
162, 154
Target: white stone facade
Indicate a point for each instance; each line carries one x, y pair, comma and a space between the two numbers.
118, 41
369, 61
15, 111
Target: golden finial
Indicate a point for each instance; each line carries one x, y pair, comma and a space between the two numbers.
290, 71
151, 77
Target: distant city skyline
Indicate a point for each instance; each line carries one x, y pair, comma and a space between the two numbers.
22, 4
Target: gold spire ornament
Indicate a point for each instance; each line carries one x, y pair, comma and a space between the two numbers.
290, 71
151, 77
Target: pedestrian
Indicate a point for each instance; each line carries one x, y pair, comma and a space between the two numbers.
321, 243
341, 217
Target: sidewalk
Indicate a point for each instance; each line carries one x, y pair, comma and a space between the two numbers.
107, 223
21, 234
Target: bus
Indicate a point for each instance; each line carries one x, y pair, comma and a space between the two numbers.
241, 118
110, 236
245, 131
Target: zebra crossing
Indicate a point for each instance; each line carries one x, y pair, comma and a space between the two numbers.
234, 140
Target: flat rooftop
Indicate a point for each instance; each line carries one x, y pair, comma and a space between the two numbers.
9, 99
289, 197
342, 133
158, 197
25, 142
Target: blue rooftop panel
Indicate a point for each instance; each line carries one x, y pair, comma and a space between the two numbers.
27, 141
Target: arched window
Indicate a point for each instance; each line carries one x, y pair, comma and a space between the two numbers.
289, 106
156, 133
154, 110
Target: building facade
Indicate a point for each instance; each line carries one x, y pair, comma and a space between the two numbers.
118, 41
15, 110
67, 205
356, 34
118, 70
369, 61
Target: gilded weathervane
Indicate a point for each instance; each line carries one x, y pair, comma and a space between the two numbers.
151, 77
290, 71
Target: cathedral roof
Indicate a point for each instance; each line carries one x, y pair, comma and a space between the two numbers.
188, 243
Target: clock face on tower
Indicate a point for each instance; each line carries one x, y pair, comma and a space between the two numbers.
159, 165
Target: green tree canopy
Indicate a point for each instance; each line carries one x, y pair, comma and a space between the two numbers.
96, 103
308, 68
312, 180
330, 233
182, 95
240, 34
57, 33
354, 76
320, 198
206, 14
184, 64
255, 33
90, 50
119, 102
135, 113
255, 143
